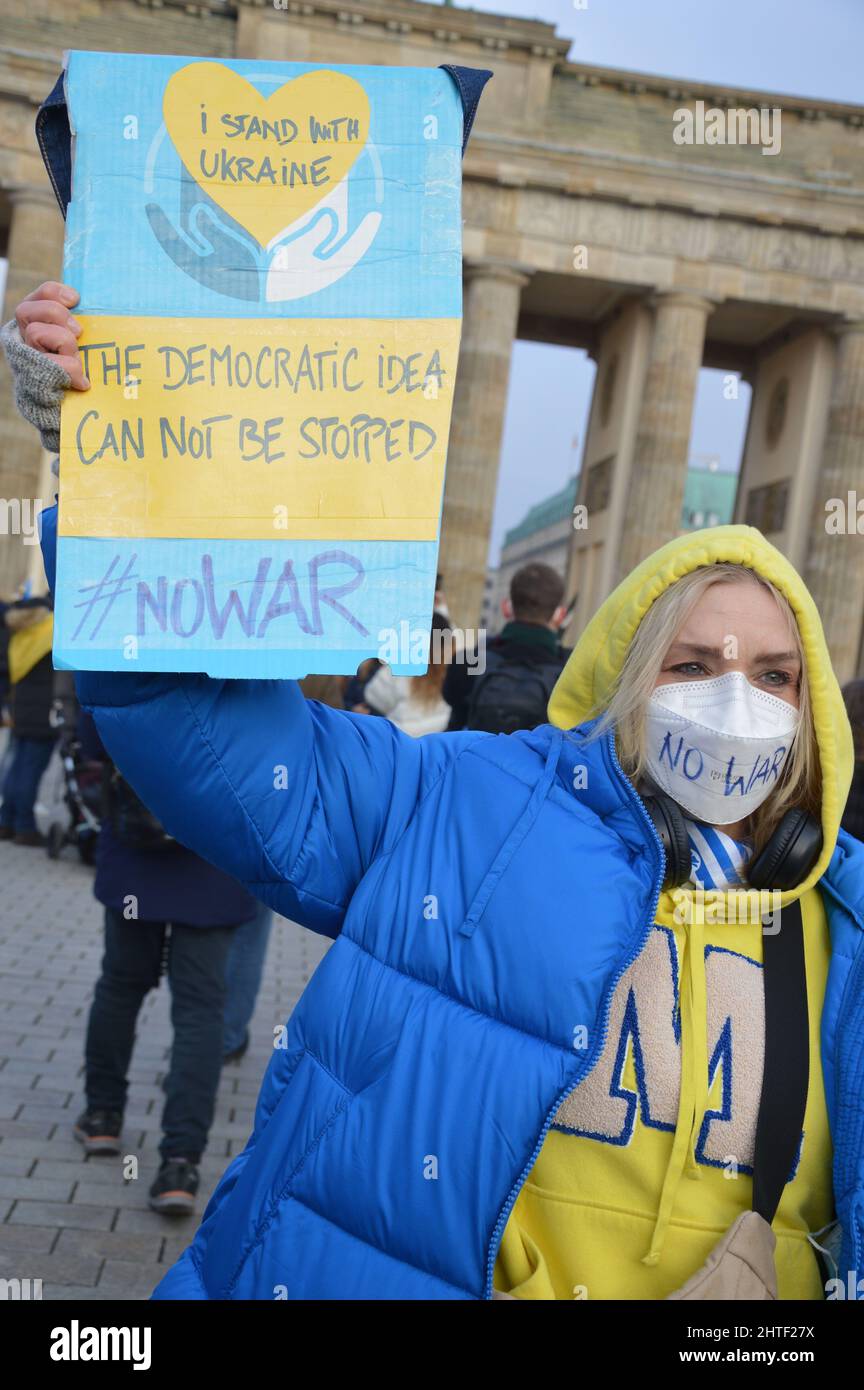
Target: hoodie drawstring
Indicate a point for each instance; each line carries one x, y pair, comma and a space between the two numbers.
693, 1095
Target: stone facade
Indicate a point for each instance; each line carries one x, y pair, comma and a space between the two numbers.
584, 223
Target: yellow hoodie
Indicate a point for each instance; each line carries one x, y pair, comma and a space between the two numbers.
648, 1160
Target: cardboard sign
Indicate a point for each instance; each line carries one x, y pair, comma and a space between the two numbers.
269, 262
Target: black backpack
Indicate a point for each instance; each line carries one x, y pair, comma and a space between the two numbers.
130, 821
512, 692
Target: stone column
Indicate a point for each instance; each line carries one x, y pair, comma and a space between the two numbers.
490, 316
834, 572
786, 425
658, 474
35, 241
35, 254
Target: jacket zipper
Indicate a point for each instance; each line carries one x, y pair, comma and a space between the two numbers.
592, 1059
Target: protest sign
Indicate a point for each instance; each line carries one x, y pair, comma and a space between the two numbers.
269, 262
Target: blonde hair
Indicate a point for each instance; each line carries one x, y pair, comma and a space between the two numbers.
800, 782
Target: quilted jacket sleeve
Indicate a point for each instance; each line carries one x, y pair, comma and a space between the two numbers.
291, 797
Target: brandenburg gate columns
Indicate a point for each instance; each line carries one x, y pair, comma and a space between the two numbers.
607, 459
35, 254
785, 439
656, 489
834, 570
35, 242
491, 313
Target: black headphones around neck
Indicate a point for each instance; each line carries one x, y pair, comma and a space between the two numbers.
784, 862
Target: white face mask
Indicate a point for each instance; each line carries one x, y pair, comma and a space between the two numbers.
717, 746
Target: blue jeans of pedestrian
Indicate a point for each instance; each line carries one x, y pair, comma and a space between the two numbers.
30, 757
195, 961
245, 968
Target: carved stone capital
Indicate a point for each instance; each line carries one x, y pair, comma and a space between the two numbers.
508, 272
683, 299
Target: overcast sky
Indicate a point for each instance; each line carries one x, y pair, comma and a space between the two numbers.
796, 47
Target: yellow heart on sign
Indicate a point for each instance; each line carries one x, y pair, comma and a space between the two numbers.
266, 160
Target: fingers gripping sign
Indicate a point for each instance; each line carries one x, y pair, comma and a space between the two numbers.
46, 323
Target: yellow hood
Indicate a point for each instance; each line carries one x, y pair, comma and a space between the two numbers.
585, 684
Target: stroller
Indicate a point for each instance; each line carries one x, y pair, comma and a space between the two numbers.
83, 783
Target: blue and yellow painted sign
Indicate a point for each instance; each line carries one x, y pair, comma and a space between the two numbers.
269, 263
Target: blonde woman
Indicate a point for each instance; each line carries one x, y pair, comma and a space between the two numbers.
531, 1064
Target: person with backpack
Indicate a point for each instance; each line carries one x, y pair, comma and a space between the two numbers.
522, 663
166, 911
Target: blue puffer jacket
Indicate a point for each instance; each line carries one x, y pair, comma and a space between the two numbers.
481, 907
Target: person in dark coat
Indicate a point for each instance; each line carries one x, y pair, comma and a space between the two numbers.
853, 816
4, 658
165, 909
29, 623
522, 663
5, 720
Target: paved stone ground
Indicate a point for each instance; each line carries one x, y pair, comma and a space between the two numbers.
66, 1218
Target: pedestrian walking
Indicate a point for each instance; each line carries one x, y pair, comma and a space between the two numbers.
167, 912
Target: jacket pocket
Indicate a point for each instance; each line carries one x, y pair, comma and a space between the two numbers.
312, 1103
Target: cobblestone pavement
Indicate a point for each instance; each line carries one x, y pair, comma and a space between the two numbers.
69, 1219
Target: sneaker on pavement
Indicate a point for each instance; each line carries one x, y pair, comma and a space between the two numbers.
175, 1187
99, 1131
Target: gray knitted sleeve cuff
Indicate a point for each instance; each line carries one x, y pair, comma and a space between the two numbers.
39, 384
